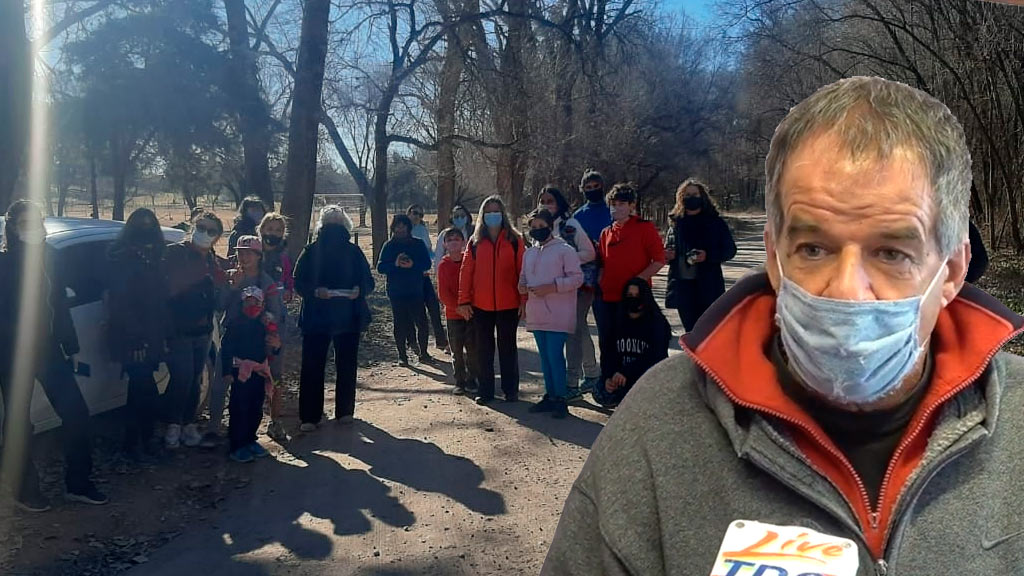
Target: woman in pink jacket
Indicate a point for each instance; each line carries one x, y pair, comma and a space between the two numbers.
551, 274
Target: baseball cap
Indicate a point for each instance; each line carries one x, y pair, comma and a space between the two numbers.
252, 292
249, 243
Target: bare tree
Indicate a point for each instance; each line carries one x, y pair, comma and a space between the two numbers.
250, 108
16, 78
303, 139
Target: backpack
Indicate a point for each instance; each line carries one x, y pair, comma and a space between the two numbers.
590, 269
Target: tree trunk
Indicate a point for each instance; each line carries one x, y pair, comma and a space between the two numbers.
94, 195
253, 117
511, 169
62, 197
451, 75
379, 203
300, 178
119, 163
15, 96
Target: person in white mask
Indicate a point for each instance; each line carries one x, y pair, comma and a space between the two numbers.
848, 410
195, 281
38, 343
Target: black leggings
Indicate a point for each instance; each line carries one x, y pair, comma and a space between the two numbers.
141, 409
58, 382
311, 379
410, 319
505, 323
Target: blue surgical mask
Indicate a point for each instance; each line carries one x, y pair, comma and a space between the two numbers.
460, 221
492, 219
849, 351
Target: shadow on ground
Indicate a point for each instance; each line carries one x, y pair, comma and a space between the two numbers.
316, 496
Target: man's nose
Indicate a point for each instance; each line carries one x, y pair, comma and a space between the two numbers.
850, 280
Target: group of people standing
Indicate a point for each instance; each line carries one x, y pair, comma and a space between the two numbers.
183, 305
601, 257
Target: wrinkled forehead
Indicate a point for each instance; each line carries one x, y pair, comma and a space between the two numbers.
824, 174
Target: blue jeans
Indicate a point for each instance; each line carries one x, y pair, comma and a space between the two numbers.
186, 362
551, 346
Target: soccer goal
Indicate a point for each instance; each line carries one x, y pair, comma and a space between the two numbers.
353, 204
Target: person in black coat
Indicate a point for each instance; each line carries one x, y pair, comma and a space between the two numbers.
37, 308
639, 339
138, 323
404, 259
250, 213
979, 257
699, 242
333, 278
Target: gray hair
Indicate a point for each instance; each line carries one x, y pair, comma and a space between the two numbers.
333, 214
873, 117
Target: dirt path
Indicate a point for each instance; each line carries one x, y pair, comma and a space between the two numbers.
425, 482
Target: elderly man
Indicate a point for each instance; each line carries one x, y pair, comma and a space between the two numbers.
849, 412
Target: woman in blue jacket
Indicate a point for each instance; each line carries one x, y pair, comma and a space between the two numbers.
404, 259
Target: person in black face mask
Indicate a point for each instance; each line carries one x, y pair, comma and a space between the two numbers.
138, 323
273, 231
594, 217
639, 339
333, 278
698, 244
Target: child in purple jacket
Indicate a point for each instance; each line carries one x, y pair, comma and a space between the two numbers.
551, 274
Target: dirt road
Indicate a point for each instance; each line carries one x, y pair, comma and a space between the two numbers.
424, 482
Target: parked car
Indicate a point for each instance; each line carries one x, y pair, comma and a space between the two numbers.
80, 247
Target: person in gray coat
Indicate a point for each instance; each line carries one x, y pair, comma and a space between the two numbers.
848, 411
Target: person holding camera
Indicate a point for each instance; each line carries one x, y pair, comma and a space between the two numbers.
699, 242
404, 259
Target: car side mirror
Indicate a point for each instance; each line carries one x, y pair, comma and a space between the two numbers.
70, 293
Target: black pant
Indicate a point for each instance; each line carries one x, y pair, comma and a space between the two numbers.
434, 311
505, 322
58, 382
311, 378
693, 303
143, 399
246, 410
463, 345
410, 320
606, 322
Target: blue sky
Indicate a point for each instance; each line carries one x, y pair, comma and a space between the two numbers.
700, 9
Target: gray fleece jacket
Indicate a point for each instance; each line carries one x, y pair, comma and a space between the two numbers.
681, 460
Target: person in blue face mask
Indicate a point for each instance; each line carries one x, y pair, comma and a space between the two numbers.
850, 397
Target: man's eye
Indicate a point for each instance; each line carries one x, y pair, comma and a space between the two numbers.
892, 256
810, 251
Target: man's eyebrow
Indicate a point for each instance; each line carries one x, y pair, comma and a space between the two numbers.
905, 233
798, 225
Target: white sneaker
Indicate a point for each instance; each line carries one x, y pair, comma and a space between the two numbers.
173, 436
191, 436
307, 427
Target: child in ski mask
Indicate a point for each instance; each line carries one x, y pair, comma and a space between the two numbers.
250, 341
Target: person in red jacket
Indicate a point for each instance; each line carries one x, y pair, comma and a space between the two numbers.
460, 330
489, 295
630, 248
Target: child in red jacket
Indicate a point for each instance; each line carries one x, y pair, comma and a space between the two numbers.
460, 330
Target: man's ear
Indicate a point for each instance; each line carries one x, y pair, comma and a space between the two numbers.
770, 264
957, 272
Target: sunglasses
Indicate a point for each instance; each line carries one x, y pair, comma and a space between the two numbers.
420, 214
207, 230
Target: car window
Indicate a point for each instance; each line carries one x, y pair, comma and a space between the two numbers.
83, 268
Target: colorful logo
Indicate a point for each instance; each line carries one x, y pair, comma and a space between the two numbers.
756, 549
